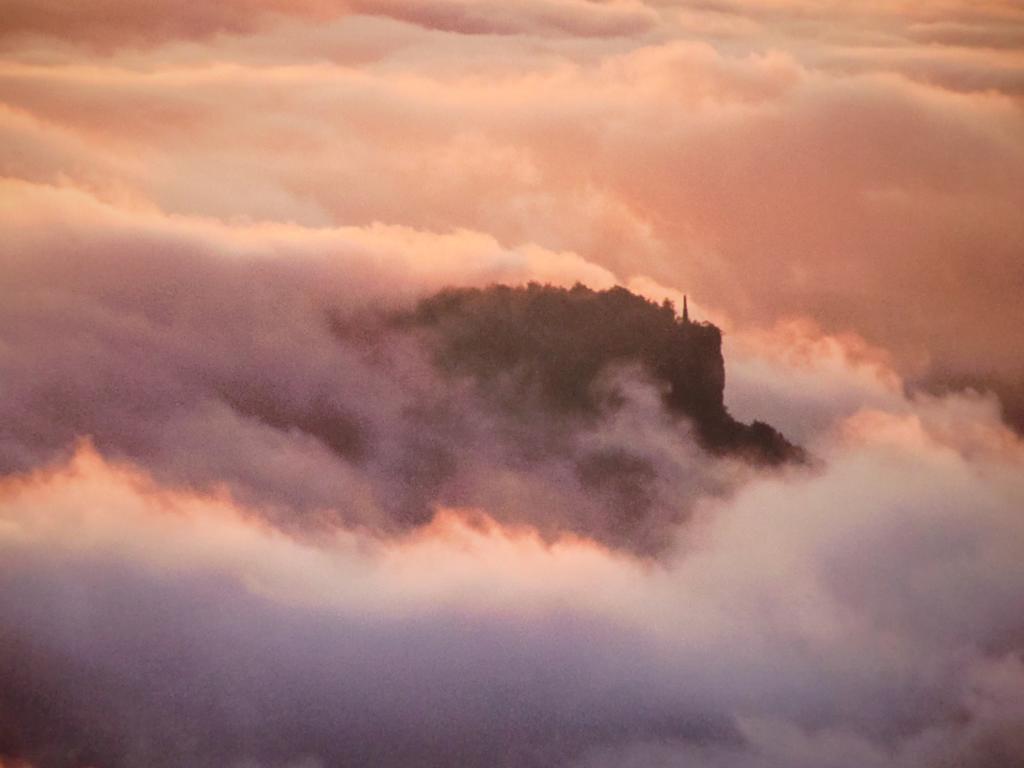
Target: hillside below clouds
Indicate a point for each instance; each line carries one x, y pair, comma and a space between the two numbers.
555, 348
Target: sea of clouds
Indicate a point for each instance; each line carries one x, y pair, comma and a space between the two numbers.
229, 536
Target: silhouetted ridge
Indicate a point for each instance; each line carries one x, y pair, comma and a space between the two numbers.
554, 344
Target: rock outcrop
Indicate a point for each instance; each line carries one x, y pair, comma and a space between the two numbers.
553, 346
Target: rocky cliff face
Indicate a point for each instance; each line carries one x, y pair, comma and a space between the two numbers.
556, 347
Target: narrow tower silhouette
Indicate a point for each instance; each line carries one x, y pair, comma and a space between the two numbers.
686, 310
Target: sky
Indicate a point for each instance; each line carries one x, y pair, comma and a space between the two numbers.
246, 522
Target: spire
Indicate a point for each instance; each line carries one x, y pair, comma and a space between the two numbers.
686, 310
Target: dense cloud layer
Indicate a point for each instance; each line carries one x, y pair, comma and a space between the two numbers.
851, 618
245, 522
784, 159
113, 23
214, 360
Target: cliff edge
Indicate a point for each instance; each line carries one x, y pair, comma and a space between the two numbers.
554, 344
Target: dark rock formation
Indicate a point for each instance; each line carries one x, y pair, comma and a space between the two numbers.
551, 346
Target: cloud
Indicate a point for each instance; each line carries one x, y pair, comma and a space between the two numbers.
231, 537
113, 24
272, 361
577, 18
845, 618
871, 188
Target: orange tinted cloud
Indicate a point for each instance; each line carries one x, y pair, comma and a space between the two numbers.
768, 182
113, 23
189, 189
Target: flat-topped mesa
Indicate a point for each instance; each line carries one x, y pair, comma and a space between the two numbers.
552, 345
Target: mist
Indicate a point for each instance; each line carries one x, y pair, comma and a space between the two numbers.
349, 413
